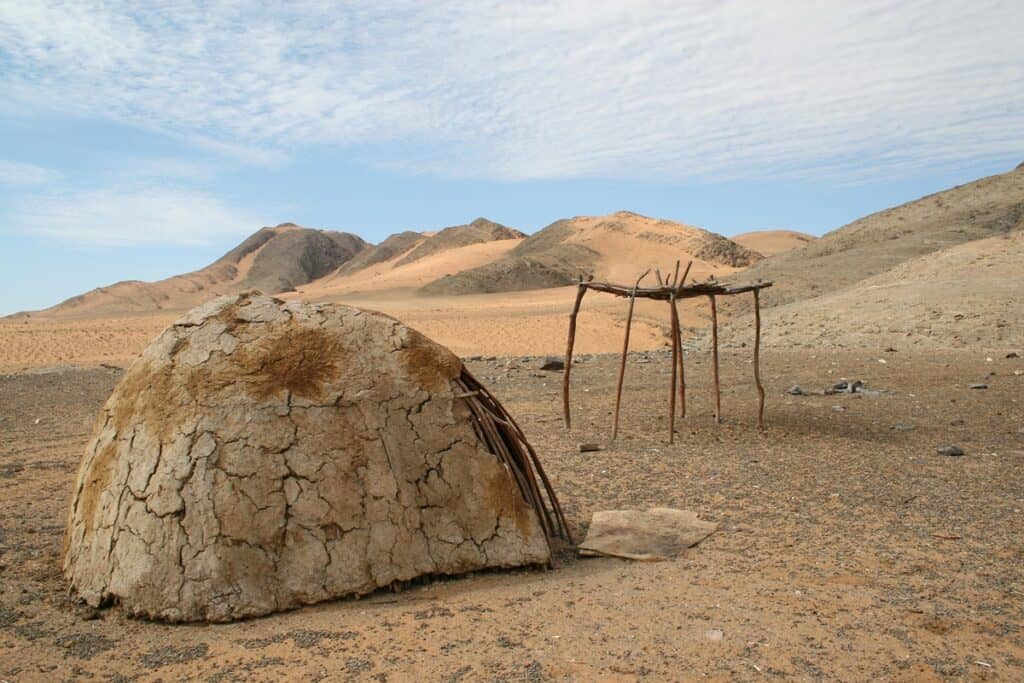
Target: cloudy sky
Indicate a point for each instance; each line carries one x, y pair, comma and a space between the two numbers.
138, 140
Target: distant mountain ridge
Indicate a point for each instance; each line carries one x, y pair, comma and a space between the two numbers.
477, 257
619, 245
276, 260
273, 259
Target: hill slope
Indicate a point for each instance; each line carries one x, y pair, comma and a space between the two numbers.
968, 294
273, 259
874, 244
618, 247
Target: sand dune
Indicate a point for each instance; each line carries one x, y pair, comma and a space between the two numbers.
616, 247
771, 242
404, 248
400, 273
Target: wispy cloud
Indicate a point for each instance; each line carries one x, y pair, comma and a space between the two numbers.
643, 89
19, 173
129, 215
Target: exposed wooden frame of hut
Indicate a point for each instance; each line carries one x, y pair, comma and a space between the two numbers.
499, 430
670, 289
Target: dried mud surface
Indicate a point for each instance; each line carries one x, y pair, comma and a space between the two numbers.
260, 456
847, 548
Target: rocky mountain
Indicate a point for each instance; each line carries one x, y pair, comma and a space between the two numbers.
273, 260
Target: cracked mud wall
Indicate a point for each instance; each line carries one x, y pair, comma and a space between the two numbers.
260, 456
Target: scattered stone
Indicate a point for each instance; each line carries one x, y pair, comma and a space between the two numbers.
714, 634
1013, 354
8, 616
85, 645
589, 447
554, 364
979, 385
839, 409
846, 387
262, 455
357, 666
890, 349
904, 428
169, 654
306, 638
952, 451
795, 390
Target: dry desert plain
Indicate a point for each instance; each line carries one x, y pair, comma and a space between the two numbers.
847, 547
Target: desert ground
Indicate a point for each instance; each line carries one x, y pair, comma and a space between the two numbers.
847, 548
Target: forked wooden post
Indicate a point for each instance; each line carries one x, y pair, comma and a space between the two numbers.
682, 364
580, 291
625, 352
675, 364
714, 358
757, 359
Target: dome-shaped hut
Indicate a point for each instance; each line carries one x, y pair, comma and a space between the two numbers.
262, 455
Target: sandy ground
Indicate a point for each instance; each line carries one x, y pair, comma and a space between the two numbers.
531, 323
847, 548
31, 343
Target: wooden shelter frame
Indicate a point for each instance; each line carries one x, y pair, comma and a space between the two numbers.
670, 289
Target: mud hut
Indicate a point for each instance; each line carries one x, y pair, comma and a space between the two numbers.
263, 455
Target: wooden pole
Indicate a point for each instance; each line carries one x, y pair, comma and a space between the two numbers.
580, 291
675, 361
686, 272
682, 366
625, 351
682, 360
757, 359
714, 358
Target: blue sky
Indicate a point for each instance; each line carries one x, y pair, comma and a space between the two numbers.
144, 140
